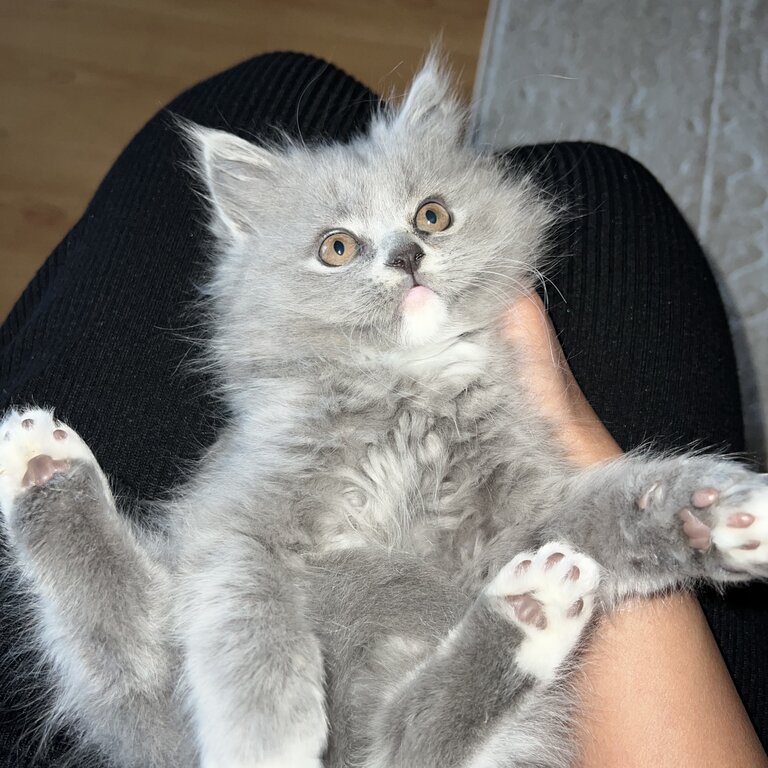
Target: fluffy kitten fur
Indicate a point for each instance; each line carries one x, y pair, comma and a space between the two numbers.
385, 559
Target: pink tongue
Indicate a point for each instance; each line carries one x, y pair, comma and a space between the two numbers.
417, 297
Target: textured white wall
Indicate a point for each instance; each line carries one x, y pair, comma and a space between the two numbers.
682, 85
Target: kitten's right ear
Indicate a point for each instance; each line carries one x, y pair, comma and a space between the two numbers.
233, 170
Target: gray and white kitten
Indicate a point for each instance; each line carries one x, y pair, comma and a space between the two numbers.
385, 559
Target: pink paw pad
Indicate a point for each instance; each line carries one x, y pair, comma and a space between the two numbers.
699, 534
740, 520
34, 446
40, 469
736, 526
704, 497
553, 560
532, 585
528, 610
550, 595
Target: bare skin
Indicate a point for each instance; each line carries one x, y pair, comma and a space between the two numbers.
655, 690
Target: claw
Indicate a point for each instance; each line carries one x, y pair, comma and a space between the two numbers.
699, 534
650, 495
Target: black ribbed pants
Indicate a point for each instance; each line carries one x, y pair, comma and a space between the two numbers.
103, 331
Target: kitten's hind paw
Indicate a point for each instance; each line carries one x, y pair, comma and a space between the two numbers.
550, 595
33, 448
731, 522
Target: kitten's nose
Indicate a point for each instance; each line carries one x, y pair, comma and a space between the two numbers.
407, 258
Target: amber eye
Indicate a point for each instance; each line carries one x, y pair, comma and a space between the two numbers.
432, 217
338, 249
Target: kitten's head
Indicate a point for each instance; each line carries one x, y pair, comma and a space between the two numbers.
404, 237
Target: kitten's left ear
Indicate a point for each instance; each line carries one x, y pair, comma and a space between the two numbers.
236, 174
431, 104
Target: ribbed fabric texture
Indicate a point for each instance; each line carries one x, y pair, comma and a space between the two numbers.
102, 333
635, 303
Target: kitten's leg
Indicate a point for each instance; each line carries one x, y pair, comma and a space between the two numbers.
253, 666
656, 523
476, 701
99, 602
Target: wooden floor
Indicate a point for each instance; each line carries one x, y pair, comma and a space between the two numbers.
79, 77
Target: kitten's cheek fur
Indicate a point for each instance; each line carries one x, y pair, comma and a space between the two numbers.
422, 321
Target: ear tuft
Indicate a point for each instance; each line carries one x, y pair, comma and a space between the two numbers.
233, 171
431, 104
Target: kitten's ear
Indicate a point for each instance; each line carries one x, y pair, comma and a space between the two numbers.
234, 172
430, 104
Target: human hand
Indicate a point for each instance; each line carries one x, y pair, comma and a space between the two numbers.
552, 387
654, 689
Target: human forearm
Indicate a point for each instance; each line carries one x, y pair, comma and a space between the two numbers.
655, 693
654, 689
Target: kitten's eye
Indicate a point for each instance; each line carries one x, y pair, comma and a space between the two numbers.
432, 217
338, 249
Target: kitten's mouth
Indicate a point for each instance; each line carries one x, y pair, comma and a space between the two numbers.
418, 297
423, 316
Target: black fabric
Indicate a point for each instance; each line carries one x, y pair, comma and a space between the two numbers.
640, 318
103, 332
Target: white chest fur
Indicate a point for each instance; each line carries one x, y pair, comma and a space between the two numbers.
458, 362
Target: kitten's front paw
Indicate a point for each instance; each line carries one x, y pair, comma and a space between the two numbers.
550, 595
731, 522
33, 448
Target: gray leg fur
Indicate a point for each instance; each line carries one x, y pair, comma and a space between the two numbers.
100, 603
252, 664
659, 523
